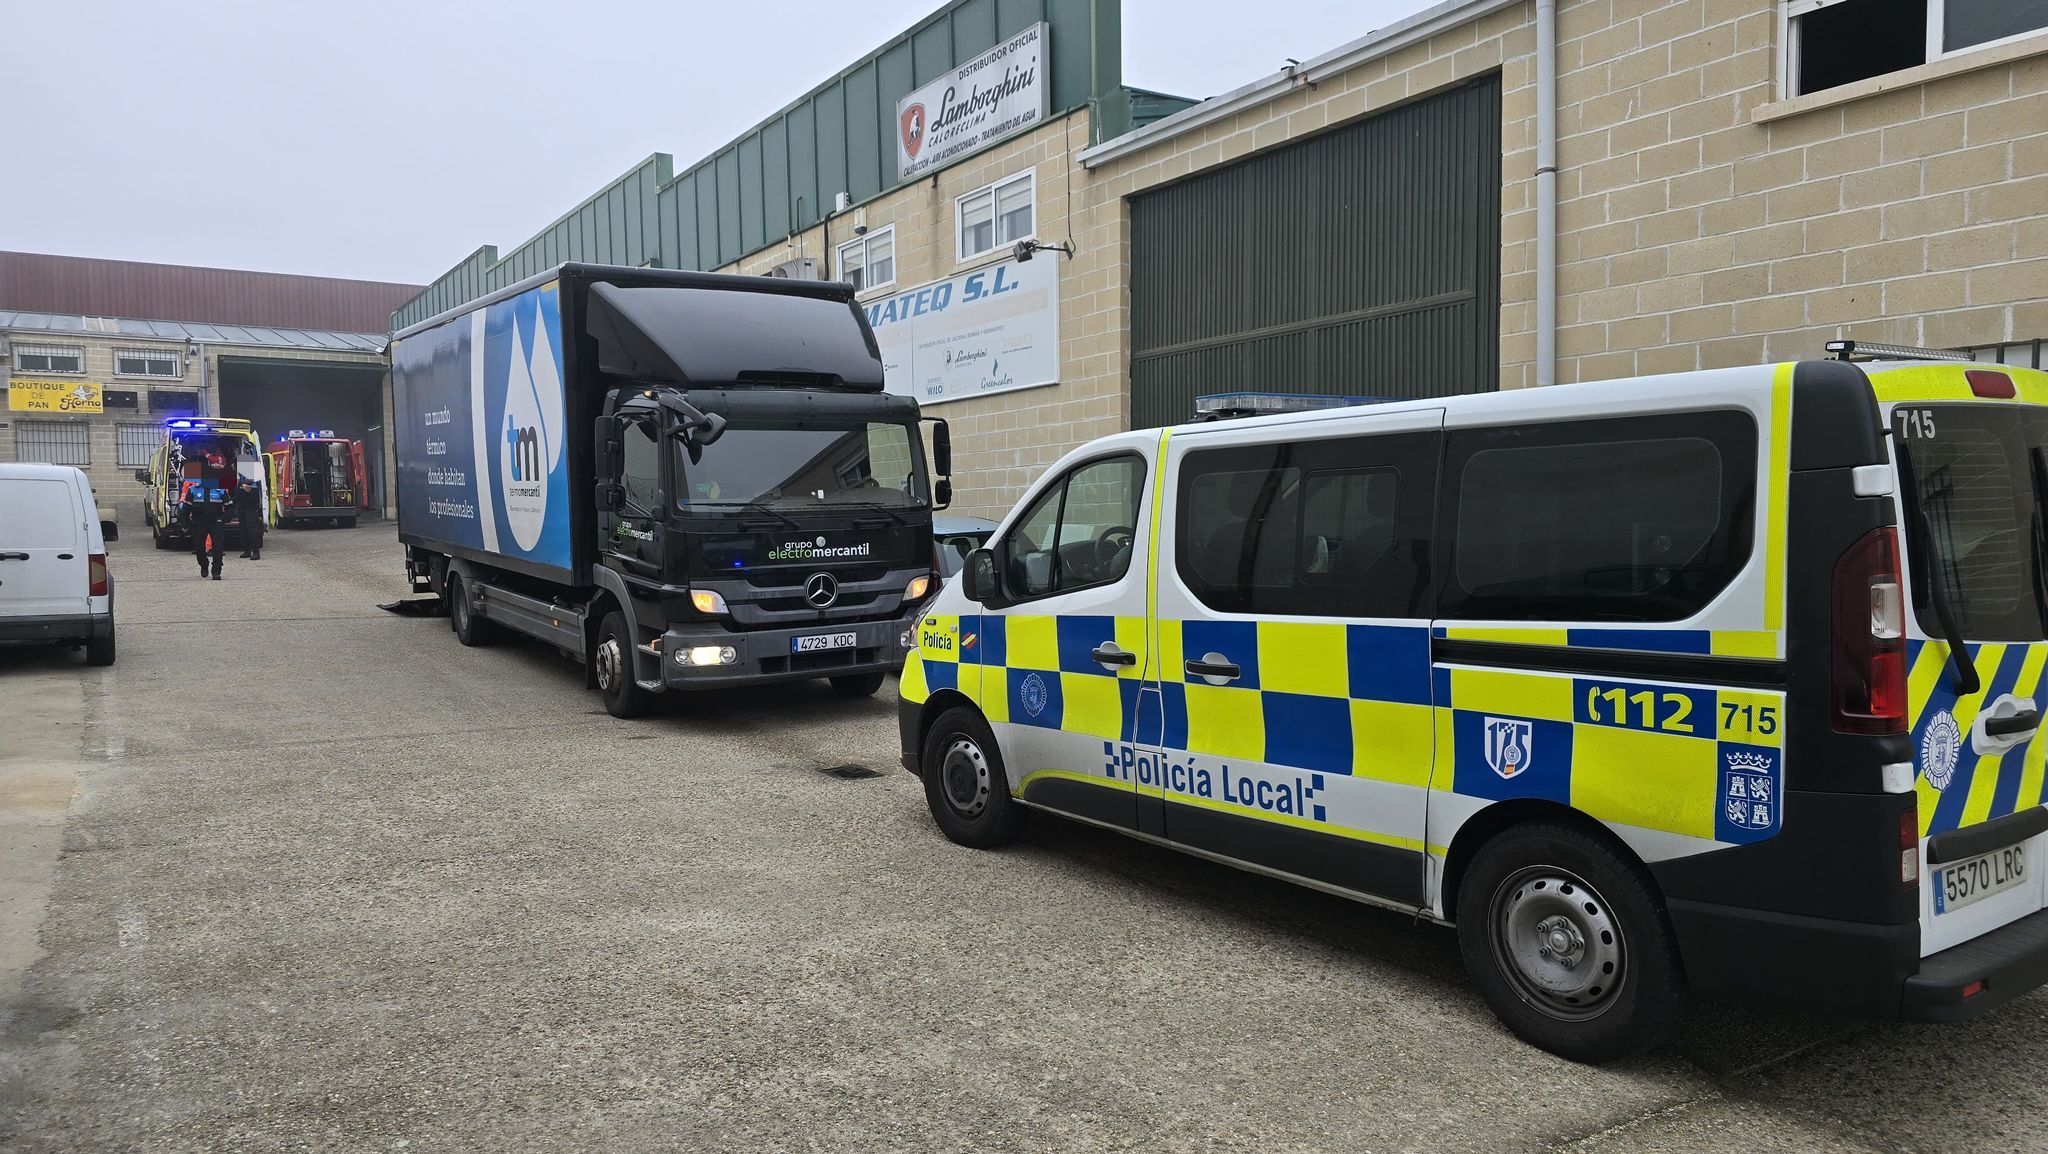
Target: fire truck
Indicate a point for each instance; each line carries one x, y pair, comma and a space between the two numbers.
320, 477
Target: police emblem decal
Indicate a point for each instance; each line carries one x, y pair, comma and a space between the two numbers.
1510, 745
1940, 747
1749, 790
1031, 695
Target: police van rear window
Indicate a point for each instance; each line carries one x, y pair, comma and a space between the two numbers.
1977, 474
1623, 519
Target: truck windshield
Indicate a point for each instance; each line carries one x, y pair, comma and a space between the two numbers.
865, 463
1978, 472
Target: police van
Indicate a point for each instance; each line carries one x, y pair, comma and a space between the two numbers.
1724, 682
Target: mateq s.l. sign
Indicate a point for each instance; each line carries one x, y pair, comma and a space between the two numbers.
1002, 91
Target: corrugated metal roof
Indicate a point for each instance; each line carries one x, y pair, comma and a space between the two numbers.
90, 286
246, 336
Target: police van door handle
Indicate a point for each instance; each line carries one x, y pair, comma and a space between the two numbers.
1214, 665
13, 556
2025, 721
1108, 653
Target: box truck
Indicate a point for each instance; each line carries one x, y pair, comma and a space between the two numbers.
682, 480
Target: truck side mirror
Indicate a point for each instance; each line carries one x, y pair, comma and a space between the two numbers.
942, 447
942, 492
978, 579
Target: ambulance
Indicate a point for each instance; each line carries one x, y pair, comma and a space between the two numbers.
1724, 683
177, 470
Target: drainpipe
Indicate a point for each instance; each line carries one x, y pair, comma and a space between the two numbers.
1546, 192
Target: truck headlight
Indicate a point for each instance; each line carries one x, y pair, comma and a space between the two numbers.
706, 601
707, 655
917, 587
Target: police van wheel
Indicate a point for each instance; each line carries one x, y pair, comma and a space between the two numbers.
1567, 940
469, 629
613, 662
857, 685
964, 783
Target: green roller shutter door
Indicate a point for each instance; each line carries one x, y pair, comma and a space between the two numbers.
1362, 262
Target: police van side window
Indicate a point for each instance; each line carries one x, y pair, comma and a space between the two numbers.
1080, 532
1623, 519
1327, 528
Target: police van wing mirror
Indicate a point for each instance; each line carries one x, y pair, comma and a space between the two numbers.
978, 579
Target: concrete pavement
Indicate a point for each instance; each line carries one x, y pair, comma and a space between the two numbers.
330, 881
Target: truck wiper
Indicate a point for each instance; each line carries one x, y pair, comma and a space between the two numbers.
772, 511
1926, 580
895, 515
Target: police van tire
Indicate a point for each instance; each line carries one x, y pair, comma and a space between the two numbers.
613, 655
1546, 887
964, 782
857, 685
469, 629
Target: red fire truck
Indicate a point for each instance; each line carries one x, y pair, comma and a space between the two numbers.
320, 477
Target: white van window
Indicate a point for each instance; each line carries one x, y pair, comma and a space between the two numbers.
41, 514
1628, 519
1079, 532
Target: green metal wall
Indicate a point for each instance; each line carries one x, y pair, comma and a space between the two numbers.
1361, 262
781, 175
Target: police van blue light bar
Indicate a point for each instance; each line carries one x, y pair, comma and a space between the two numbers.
182, 423
1220, 406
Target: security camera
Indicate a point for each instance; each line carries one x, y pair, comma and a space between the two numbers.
860, 222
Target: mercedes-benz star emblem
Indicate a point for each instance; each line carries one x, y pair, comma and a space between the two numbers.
821, 590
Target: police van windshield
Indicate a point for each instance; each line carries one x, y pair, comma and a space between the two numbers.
1978, 473
854, 464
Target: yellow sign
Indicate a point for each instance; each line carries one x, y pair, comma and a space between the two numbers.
24, 396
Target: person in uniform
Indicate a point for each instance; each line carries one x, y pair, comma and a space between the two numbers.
206, 514
249, 508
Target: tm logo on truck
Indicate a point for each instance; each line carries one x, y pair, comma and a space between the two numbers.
532, 429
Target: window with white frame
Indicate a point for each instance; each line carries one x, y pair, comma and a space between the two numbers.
134, 442
1000, 214
869, 261
167, 364
49, 359
1829, 43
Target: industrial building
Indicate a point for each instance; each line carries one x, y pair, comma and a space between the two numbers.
1487, 194
96, 354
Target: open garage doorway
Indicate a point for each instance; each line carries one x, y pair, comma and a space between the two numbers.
278, 396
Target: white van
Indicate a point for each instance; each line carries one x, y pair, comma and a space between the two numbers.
54, 583
1728, 681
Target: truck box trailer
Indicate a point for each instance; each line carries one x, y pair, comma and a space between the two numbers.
682, 480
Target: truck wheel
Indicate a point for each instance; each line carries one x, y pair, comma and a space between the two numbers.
857, 684
161, 538
348, 522
1567, 940
613, 659
100, 650
469, 629
964, 783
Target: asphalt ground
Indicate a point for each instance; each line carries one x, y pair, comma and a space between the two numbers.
298, 874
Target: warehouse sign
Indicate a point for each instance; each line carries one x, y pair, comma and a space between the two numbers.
1002, 91
26, 396
989, 331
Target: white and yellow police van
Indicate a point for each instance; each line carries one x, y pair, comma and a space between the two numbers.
1625, 680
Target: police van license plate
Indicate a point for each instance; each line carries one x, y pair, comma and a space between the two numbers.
818, 642
1968, 882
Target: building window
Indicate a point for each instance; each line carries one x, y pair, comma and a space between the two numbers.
49, 359
120, 399
134, 441
2019, 354
54, 442
1829, 43
869, 262
1000, 214
174, 402
165, 363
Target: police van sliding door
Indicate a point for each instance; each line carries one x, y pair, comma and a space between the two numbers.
1291, 622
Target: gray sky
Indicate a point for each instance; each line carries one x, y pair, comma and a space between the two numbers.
387, 139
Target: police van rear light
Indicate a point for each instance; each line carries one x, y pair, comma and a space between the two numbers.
1991, 384
1869, 646
96, 573
1974, 988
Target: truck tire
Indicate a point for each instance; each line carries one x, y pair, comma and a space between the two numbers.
159, 537
613, 659
964, 783
857, 684
469, 629
348, 522
1567, 940
100, 650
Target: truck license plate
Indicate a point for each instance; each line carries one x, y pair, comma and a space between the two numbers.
1968, 882
820, 641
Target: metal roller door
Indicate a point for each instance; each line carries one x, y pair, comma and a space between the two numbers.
1364, 261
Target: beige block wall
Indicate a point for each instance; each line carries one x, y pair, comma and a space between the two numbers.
1002, 442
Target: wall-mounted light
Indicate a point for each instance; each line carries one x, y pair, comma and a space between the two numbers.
1025, 248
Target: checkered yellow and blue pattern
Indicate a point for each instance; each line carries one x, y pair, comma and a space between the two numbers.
1957, 787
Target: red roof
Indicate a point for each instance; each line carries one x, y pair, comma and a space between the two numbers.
88, 286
